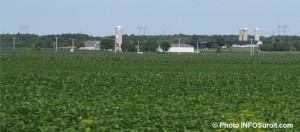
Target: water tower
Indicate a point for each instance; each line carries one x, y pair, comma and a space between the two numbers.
118, 39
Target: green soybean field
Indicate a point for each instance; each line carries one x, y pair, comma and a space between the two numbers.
106, 91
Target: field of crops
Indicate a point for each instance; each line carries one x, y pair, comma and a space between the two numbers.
103, 91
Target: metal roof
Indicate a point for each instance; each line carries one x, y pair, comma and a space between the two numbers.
247, 42
90, 43
181, 45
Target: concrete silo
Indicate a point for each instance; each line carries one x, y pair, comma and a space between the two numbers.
118, 40
256, 34
241, 34
245, 34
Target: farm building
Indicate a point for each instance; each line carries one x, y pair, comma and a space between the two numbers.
91, 45
246, 44
181, 48
243, 40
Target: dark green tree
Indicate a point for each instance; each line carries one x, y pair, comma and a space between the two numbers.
165, 45
128, 46
194, 41
36, 46
150, 45
220, 41
107, 43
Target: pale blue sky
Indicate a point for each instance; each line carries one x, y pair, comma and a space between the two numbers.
99, 17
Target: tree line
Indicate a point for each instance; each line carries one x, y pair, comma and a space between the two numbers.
146, 43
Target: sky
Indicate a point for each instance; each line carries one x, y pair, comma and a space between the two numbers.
100, 17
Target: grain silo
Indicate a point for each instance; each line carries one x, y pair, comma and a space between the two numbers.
241, 35
256, 34
118, 40
245, 34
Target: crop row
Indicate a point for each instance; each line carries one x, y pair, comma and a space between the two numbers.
65, 94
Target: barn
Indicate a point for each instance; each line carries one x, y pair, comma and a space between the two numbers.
181, 48
91, 45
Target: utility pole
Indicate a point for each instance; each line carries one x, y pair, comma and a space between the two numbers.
100, 45
73, 44
251, 48
139, 29
179, 47
14, 43
138, 46
115, 45
55, 43
197, 48
72, 50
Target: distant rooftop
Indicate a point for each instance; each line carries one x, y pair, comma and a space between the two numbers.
181, 45
247, 42
90, 43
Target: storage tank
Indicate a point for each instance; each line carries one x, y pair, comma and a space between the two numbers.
241, 34
118, 40
245, 34
256, 34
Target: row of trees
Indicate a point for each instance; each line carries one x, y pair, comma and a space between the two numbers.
47, 41
282, 43
277, 46
146, 43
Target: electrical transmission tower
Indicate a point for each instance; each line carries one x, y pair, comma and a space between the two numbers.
281, 29
23, 29
143, 29
285, 28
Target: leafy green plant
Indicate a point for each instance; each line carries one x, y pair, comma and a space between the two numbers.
103, 91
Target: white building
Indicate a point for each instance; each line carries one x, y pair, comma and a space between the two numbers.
91, 45
243, 44
181, 48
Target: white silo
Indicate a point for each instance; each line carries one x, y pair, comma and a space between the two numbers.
256, 34
245, 34
241, 34
118, 40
